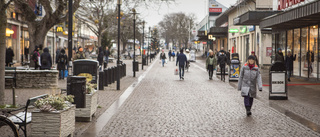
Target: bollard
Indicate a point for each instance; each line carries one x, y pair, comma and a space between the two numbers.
109, 76
105, 77
101, 82
120, 70
112, 74
125, 69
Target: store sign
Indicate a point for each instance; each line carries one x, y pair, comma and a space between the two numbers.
59, 29
251, 28
233, 30
211, 37
278, 82
283, 4
243, 29
204, 43
215, 10
269, 51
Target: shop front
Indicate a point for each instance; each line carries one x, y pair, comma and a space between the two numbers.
297, 32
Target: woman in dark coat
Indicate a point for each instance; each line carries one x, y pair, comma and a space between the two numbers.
62, 62
45, 58
100, 56
289, 63
9, 56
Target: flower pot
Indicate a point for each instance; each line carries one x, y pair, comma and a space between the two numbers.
85, 114
53, 124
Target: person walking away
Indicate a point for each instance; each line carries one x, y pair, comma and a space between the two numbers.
26, 53
279, 56
163, 58
182, 60
310, 59
211, 64
249, 78
188, 58
57, 55
107, 54
289, 64
9, 56
45, 58
254, 54
36, 57
228, 57
62, 62
222, 60
100, 57
80, 54
173, 55
169, 54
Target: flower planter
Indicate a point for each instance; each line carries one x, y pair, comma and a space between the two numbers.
53, 124
85, 114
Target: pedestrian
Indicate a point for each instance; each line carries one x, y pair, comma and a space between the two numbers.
228, 57
222, 60
163, 58
62, 62
106, 54
36, 58
182, 60
57, 55
188, 58
289, 64
80, 54
254, 54
173, 55
211, 63
100, 57
169, 54
45, 58
9, 56
279, 56
26, 53
250, 77
310, 59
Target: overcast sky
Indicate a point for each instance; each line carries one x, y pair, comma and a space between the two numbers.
153, 16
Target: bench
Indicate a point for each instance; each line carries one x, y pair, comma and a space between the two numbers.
23, 118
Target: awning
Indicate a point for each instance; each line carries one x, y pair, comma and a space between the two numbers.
202, 36
306, 15
253, 17
219, 31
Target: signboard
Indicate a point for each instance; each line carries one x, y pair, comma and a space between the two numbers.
283, 4
269, 51
215, 10
211, 37
278, 83
204, 43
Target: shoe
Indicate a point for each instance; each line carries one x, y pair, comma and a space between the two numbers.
182, 78
248, 111
289, 80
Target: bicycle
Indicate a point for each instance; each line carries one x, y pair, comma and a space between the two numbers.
7, 126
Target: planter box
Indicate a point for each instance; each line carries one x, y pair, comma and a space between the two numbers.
85, 114
53, 124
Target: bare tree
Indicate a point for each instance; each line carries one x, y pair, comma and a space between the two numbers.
55, 13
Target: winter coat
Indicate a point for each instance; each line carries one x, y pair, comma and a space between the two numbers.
163, 56
62, 61
208, 61
181, 59
222, 59
57, 55
289, 62
279, 58
45, 58
100, 57
9, 55
249, 79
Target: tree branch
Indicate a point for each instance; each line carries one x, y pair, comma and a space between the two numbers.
6, 5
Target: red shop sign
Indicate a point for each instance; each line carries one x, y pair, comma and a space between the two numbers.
215, 9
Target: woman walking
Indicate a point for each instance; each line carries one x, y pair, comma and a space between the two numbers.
62, 62
249, 78
211, 63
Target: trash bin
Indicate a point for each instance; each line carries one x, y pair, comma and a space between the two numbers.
278, 82
144, 61
234, 68
76, 86
135, 65
87, 68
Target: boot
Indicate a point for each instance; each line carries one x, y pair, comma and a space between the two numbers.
248, 111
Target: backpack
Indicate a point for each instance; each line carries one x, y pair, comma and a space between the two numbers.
35, 57
62, 59
44, 61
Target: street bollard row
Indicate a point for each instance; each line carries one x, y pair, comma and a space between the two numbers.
109, 75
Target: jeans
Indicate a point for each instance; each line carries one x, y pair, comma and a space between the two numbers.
248, 101
169, 58
61, 75
163, 61
210, 68
223, 71
289, 73
181, 70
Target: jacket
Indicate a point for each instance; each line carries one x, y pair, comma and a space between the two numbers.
222, 59
208, 60
181, 59
45, 59
249, 79
9, 55
62, 61
279, 58
289, 62
100, 56
163, 56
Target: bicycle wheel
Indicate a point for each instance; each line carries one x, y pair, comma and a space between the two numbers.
7, 128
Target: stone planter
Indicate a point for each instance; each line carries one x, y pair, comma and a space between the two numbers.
53, 124
85, 114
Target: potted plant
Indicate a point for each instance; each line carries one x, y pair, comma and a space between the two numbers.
85, 114
54, 116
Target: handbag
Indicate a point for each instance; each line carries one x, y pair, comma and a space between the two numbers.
176, 71
245, 91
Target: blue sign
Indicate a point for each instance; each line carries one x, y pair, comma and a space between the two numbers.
38, 9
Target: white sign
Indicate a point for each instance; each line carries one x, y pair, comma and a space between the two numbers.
278, 83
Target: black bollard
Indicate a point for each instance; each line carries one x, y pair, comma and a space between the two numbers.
105, 77
112, 74
101, 80
109, 76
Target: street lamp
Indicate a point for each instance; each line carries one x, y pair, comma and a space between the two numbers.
141, 47
134, 42
70, 23
150, 42
119, 2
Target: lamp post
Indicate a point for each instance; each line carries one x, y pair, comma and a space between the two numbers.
70, 23
141, 47
150, 42
134, 41
119, 2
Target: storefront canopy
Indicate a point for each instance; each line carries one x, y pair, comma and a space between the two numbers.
219, 31
253, 17
306, 15
202, 36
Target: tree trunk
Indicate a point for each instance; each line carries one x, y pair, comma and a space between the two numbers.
3, 24
99, 40
124, 44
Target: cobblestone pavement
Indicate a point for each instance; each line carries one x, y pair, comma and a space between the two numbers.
162, 105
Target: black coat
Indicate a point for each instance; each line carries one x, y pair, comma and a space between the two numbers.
100, 57
222, 59
62, 61
46, 56
9, 55
289, 62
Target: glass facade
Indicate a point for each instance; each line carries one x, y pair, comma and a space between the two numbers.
302, 42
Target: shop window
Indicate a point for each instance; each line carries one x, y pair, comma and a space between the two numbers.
304, 50
313, 52
296, 51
